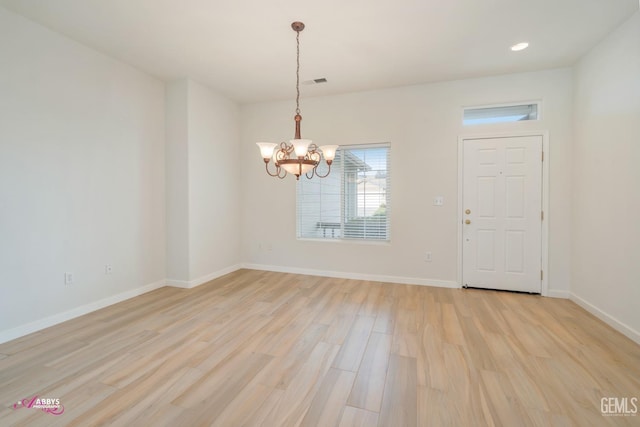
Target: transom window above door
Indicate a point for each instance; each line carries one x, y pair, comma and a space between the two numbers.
500, 113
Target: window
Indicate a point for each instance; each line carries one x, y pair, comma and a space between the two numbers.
352, 202
500, 114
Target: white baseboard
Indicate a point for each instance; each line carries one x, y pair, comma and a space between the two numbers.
607, 318
356, 276
177, 283
203, 279
557, 294
37, 325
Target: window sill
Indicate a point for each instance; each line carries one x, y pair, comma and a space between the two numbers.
347, 241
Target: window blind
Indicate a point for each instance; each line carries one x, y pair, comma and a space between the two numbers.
353, 201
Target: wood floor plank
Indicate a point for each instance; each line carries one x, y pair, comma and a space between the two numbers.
233, 341
160, 404
504, 408
339, 328
432, 370
369, 384
386, 314
257, 348
151, 400
329, 402
372, 297
296, 399
282, 369
405, 334
400, 400
167, 415
332, 306
266, 411
244, 404
476, 342
216, 386
452, 328
460, 373
438, 408
350, 355
356, 417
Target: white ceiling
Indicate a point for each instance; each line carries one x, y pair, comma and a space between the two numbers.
245, 49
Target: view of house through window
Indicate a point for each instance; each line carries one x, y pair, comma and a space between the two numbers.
352, 202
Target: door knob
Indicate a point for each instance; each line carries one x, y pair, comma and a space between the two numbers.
467, 221
468, 211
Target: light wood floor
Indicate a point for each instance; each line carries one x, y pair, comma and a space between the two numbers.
273, 349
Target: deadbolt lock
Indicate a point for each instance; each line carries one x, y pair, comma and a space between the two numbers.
468, 211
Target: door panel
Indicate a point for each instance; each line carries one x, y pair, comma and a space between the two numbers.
486, 249
502, 191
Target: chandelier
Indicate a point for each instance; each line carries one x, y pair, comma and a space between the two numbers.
298, 156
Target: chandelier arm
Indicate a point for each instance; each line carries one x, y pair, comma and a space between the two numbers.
277, 173
313, 172
326, 174
284, 173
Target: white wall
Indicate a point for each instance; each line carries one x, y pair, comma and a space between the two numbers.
423, 123
606, 180
177, 180
202, 184
81, 175
214, 183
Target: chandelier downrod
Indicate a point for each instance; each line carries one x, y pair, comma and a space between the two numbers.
297, 27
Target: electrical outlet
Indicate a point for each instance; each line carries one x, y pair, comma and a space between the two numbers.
68, 278
438, 201
108, 269
427, 257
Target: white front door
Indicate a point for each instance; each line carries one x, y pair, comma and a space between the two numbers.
502, 213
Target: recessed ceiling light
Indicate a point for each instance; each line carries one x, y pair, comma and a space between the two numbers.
519, 46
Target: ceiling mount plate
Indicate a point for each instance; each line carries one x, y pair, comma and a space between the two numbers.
297, 26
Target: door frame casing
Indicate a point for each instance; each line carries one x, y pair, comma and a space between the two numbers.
544, 285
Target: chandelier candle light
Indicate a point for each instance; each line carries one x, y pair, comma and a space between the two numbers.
299, 156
